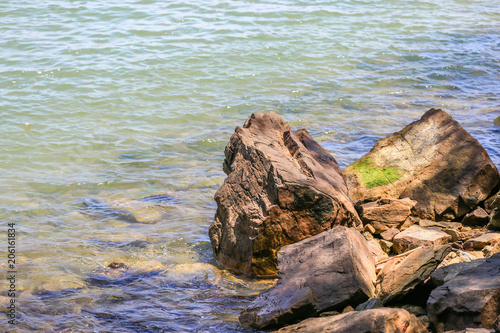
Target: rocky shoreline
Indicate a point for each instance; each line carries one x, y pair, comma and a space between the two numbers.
406, 239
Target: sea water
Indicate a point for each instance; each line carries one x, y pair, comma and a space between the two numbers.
103, 103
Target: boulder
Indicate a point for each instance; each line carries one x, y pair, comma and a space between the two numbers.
477, 217
386, 213
281, 187
478, 243
399, 276
470, 299
433, 161
447, 273
389, 234
326, 272
416, 236
379, 320
377, 251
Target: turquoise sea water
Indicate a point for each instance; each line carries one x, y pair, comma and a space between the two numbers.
130, 99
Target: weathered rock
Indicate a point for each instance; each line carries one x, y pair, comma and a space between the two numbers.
447, 273
380, 320
478, 243
494, 223
433, 161
470, 299
369, 228
372, 303
416, 236
490, 250
440, 225
281, 187
386, 246
376, 249
477, 217
399, 276
492, 203
386, 213
389, 234
455, 234
325, 272
496, 325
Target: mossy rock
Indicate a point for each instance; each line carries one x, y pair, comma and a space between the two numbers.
372, 176
497, 121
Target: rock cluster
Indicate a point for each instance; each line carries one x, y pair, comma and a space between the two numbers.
417, 250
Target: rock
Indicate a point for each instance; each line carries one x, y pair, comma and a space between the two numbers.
492, 203
447, 273
399, 276
408, 223
416, 236
378, 320
470, 299
478, 243
372, 303
496, 325
489, 250
497, 121
440, 225
369, 228
384, 214
455, 235
472, 330
494, 223
376, 249
325, 272
433, 161
281, 188
389, 234
415, 310
348, 309
477, 217
197, 275
386, 246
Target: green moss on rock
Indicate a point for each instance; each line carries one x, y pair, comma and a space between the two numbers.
372, 176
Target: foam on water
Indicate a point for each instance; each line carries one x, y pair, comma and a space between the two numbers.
130, 99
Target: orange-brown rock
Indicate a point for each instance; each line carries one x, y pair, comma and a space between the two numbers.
281, 188
433, 161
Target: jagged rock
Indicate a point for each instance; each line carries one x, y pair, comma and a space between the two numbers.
416, 236
325, 272
399, 276
376, 249
380, 320
492, 203
433, 161
386, 246
447, 273
470, 299
477, 217
389, 234
372, 303
386, 213
440, 225
494, 223
478, 243
496, 325
490, 250
455, 235
281, 187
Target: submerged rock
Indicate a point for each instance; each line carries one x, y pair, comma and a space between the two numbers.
433, 161
470, 299
379, 320
281, 188
326, 272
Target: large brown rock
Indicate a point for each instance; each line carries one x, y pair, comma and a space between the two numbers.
326, 272
470, 299
416, 236
379, 320
399, 276
433, 161
281, 187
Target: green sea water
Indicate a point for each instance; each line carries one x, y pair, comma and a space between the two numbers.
131, 99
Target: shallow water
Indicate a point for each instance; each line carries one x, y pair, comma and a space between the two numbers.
129, 99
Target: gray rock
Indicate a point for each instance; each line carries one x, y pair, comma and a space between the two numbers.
326, 272
281, 188
433, 161
399, 276
372, 303
447, 273
380, 320
469, 300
